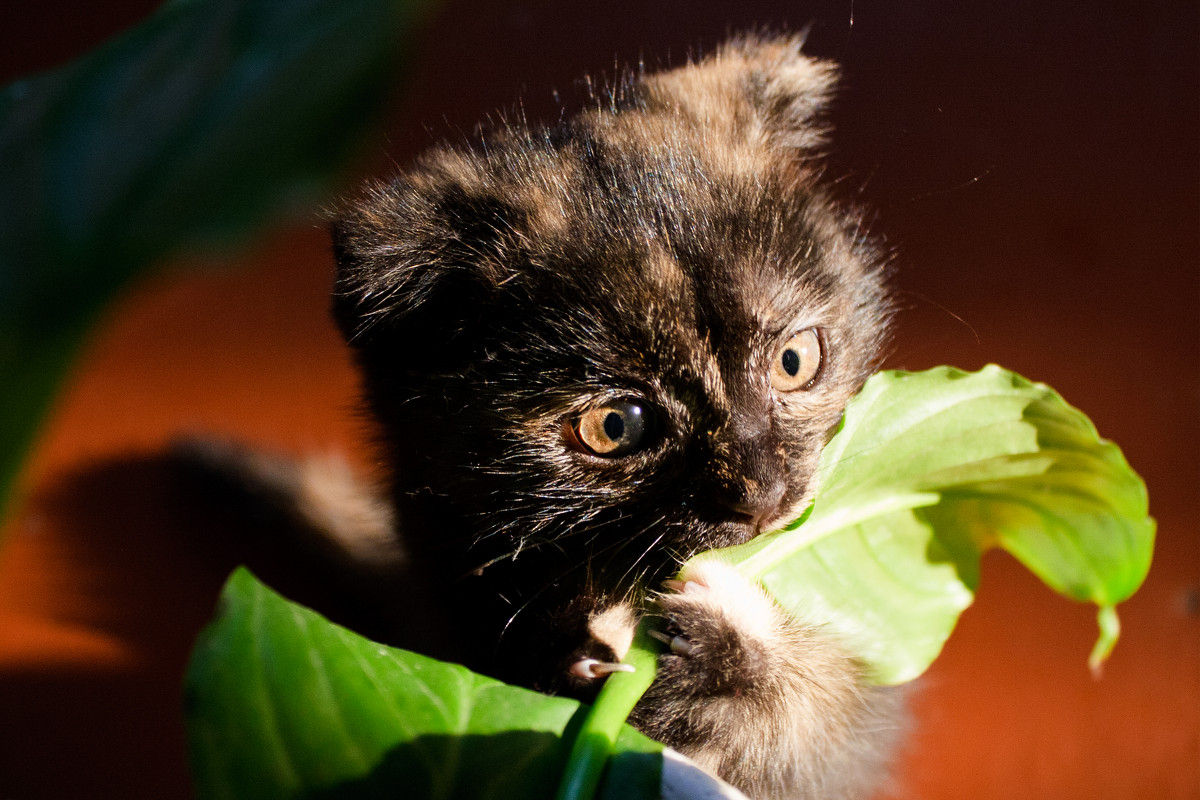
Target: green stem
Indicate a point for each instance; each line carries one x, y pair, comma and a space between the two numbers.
597, 738
777, 546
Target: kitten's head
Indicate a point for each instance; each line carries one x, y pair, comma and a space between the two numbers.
600, 347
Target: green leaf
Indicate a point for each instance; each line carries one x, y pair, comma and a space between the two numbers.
193, 127
928, 471
283, 703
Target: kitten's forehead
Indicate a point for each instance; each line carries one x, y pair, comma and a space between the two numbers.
659, 259
704, 252
682, 338
641, 242
701, 331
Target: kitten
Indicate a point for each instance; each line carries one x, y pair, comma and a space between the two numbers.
598, 348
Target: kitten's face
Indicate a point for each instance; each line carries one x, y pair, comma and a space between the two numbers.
599, 349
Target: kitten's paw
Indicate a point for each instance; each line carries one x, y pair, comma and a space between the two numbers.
608, 638
723, 630
775, 706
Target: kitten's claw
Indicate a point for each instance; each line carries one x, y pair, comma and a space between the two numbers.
665, 638
609, 667
678, 644
681, 646
590, 668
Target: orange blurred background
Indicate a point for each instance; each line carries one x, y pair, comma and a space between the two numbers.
1035, 167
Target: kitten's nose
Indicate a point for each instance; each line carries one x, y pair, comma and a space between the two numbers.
753, 502
749, 481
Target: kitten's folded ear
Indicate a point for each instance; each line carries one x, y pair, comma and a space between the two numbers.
761, 90
416, 260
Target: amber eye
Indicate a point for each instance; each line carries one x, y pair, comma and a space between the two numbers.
613, 429
798, 362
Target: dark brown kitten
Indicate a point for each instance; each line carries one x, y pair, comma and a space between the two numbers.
597, 348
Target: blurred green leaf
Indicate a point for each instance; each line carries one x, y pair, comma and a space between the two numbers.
282, 703
193, 128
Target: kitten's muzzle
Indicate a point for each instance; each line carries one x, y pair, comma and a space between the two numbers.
751, 482
753, 503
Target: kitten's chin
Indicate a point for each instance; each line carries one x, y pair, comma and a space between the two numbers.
728, 534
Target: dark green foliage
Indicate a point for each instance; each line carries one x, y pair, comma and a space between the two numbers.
194, 128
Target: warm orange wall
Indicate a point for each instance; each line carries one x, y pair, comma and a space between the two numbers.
1035, 165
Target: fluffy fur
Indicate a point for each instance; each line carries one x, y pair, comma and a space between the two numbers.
771, 705
659, 249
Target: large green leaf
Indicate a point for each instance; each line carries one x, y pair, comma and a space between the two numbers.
282, 703
191, 128
929, 470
